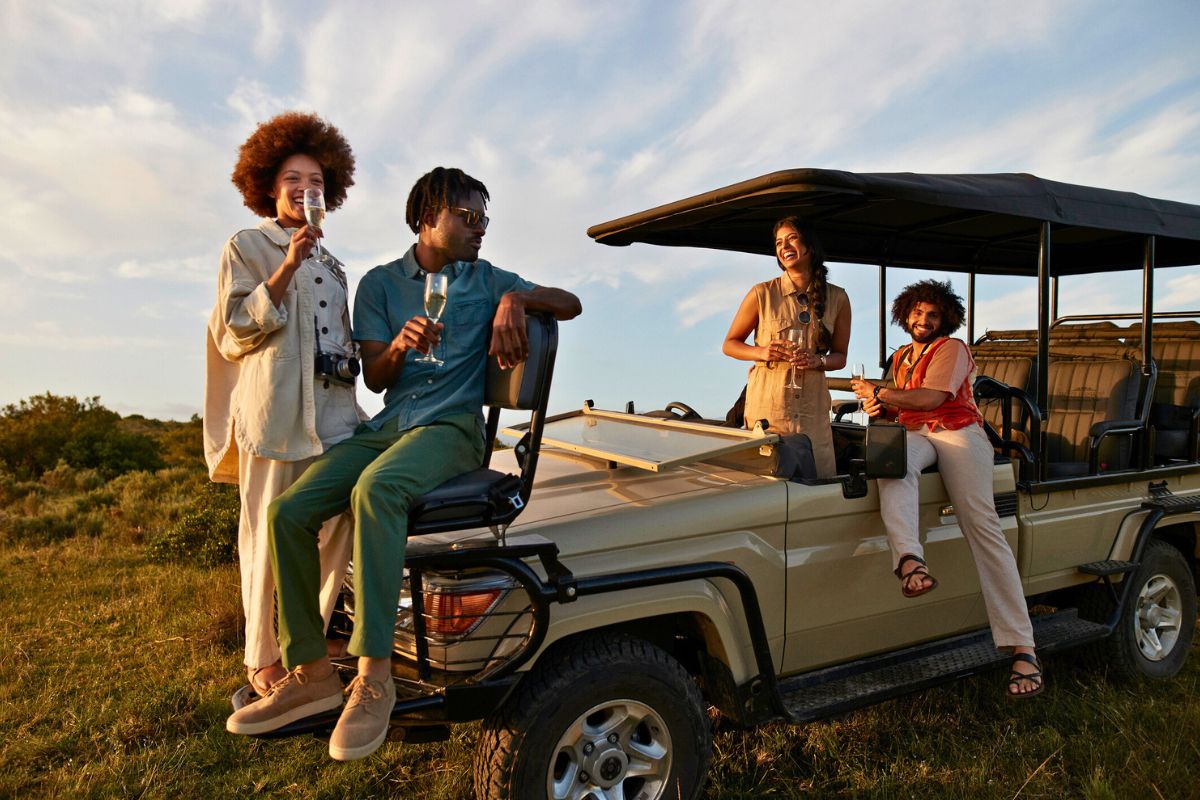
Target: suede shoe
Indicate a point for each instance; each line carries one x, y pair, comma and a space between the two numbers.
364, 722
295, 696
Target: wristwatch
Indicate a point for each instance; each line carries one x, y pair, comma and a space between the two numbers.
875, 394
822, 361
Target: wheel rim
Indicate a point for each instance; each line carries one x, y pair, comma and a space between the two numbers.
1159, 613
615, 750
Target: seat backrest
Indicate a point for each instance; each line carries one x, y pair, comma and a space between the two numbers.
1178, 371
1015, 371
525, 387
521, 388
1081, 393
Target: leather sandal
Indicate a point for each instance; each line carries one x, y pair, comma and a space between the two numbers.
920, 569
1035, 677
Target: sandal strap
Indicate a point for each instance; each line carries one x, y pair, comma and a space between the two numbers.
906, 558
1028, 659
1034, 677
1017, 677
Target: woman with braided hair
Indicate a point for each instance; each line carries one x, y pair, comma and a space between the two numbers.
271, 405
801, 297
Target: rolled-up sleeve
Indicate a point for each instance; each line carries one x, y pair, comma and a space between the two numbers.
247, 312
504, 282
948, 367
371, 323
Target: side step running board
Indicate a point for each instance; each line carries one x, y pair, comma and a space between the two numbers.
1173, 504
837, 690
1102, 569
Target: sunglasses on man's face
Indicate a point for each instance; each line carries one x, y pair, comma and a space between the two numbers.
473, 218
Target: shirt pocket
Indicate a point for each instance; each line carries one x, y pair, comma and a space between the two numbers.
776, 328
467, 325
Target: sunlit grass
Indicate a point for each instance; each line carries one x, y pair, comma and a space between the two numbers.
116, 672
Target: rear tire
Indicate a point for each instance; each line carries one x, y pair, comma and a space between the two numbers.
1154, 634
603, 715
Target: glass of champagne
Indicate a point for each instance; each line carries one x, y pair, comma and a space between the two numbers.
435, 304
314, 214
798, 342
859, 371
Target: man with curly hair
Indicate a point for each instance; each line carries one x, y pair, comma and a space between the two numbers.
430, 429
931, 397
267, 413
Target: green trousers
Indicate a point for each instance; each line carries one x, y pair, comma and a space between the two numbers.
377, 474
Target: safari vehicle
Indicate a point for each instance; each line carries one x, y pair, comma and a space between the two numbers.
590, 593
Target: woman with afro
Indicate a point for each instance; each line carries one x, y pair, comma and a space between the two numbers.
271, 405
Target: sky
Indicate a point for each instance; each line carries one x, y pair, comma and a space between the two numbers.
120, 122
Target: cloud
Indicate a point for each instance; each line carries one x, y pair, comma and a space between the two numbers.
106, 179
117, 157
1182, 293
192, 269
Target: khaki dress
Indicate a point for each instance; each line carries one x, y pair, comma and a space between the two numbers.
787, 410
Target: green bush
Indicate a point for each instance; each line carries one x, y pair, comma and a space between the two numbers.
64, 477
36, 434
206, 533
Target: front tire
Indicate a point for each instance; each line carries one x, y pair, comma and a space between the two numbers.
599, 717
1154, 635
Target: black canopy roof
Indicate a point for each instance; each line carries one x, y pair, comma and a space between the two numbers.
981, 223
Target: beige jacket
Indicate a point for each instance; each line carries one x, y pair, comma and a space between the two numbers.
258, 388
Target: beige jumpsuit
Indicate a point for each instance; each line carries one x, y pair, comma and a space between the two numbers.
787, 410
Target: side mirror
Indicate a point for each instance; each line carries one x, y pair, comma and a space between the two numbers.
886, 451
886, 456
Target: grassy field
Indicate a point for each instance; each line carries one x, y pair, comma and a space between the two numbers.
122, 645
116, 671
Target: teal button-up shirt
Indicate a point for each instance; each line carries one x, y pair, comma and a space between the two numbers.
391, 294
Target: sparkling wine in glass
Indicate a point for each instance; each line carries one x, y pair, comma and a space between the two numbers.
314, 214
797, 339
435, 303
859, 371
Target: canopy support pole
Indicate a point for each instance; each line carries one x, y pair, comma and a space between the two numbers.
971, 308
1043, 343
883, 315
1147, 339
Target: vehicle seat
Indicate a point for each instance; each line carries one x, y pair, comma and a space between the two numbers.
485, 497
1014, 371
1176, 406
1081, 395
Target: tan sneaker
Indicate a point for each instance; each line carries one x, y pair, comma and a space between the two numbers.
364, 722
295, 696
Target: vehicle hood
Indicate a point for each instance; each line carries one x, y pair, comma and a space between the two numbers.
572, 485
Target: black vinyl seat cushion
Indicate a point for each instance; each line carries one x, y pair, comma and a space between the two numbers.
473, 499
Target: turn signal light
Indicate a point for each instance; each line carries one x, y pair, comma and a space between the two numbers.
453, 614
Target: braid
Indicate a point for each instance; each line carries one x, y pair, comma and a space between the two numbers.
439, 188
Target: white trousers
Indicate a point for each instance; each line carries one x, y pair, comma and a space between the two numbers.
965, 459
261, 480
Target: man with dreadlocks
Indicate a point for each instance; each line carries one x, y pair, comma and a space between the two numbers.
430, 429
932, 399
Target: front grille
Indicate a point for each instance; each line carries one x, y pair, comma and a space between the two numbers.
1006, 504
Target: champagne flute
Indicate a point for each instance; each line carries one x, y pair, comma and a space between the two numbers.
797, 341
314, 213
859, 371
435, 303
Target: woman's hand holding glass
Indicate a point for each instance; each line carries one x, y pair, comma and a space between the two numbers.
798, 356
314, 214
